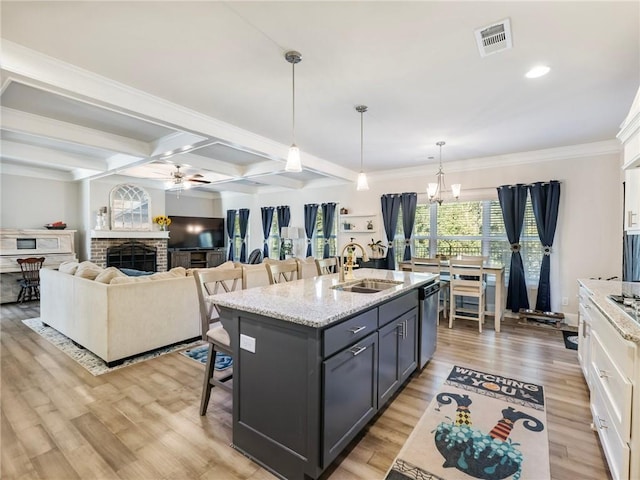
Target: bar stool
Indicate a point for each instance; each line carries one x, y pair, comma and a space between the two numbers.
211, 281
30, 281
467, 281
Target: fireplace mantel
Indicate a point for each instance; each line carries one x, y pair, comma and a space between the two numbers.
128, 234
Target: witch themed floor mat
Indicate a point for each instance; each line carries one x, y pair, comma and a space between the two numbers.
479, 425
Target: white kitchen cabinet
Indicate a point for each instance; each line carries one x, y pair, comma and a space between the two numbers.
611, 366
632, 201
629, 135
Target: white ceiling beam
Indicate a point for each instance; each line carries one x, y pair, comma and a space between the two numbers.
26, 123
49, 158
35, 172
232, 187
206, 163
174, 142
65, 77
278, 181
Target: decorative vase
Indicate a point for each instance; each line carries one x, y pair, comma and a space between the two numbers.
163, 228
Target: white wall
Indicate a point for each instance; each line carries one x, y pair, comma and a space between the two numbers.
588, 236
28, 202
587, 243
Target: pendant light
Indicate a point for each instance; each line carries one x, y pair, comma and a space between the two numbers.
293, 159
435, 190
362, 177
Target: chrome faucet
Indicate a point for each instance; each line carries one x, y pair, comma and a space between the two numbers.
348, 266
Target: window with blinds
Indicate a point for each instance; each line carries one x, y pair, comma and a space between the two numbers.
472, 228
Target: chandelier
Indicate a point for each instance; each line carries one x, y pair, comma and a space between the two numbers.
435, 190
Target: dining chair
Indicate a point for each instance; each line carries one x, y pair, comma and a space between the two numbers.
308, 267
466, 280
212, 281
434, 265
255, 276
30, 281
283, 270
327, 266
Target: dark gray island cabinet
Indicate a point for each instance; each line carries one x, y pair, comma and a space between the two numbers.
302, 392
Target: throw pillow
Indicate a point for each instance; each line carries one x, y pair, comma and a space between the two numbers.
88, 270
69, 267
135, 273
108, 274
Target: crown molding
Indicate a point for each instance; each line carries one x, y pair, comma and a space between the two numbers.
607, 147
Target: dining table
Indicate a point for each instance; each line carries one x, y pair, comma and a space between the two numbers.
490, 267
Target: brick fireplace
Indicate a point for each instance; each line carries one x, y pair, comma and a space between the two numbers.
101, 240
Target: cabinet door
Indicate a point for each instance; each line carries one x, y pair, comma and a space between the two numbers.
214, 259
632, 201
181, 259
398, 353
408, 345
349, 401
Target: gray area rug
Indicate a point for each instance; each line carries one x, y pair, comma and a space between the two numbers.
88, 360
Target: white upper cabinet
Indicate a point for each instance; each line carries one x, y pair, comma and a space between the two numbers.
629, 135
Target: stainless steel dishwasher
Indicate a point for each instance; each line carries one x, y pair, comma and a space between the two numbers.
429, 299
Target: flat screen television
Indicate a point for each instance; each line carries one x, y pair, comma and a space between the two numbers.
196, 232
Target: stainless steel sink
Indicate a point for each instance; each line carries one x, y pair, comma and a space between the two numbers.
367, 285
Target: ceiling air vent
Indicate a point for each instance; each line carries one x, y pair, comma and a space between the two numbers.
494, 38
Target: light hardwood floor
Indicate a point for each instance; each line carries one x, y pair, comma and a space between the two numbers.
142, 422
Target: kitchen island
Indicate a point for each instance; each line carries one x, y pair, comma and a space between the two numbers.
609, 354
314, 362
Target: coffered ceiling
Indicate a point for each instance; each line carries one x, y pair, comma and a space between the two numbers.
91, 89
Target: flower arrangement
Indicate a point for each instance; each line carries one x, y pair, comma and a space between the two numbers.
377, 248
162, 220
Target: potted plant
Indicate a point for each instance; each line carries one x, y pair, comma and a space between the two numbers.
377, 249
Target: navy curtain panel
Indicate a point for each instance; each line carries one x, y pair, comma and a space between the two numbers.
244, 222
310, 217
545, 199
390, 211
512, 202
328, 217
267, 220
284, 216
631, 258
409, 203
231, 231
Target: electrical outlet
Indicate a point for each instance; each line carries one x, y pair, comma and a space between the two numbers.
565, 301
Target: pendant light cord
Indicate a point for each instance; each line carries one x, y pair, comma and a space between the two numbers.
293, 102
361, 140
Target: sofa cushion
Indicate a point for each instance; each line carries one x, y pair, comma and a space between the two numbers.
108, 274
126, 279
88, 270
69, 267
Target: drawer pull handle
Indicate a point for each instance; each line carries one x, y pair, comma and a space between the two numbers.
357, 350
603, 373
602, 423
355, 330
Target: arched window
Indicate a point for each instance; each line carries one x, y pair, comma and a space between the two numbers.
130, 207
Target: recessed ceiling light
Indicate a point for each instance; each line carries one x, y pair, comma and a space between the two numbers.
537, 71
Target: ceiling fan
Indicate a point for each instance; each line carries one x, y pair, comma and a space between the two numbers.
181, 181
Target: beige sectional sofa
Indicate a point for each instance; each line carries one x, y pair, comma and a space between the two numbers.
115, 316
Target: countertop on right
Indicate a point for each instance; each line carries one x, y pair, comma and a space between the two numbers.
600, 290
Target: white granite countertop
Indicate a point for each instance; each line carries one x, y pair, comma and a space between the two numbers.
312, 301
600, 289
